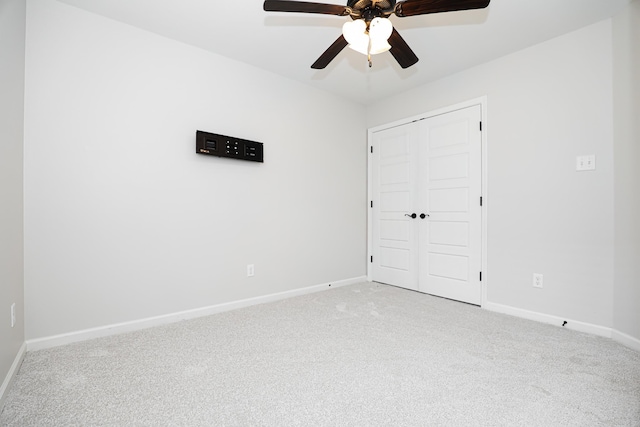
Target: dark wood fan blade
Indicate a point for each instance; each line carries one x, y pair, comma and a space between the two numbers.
401, 50
304, 7
330, 53
422, 7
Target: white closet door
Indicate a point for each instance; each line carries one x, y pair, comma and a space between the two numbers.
394, 173
450, 189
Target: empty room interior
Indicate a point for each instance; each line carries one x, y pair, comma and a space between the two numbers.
355, 236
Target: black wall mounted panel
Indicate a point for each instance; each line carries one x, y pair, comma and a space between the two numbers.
214, 144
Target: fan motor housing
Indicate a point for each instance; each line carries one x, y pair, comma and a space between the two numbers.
363, 4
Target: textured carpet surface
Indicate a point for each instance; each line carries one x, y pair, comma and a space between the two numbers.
361, 355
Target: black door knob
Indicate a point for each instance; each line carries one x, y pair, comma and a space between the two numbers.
423, 216
413, 215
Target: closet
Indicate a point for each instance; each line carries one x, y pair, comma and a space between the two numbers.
426, 204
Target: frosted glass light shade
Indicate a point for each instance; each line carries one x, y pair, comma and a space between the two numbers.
355, 33
379, 32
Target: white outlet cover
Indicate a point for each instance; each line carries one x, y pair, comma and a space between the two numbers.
537, 280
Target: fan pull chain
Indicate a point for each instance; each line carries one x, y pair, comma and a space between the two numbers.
369, 49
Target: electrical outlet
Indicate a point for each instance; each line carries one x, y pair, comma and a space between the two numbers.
537, 280
250, 270
13, 314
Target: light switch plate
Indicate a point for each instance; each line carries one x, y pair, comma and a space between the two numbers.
586, 163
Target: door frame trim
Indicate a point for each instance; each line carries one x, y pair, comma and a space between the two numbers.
482, 102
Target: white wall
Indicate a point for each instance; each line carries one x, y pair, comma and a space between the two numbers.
123, 220
546, 105
12, 39
626, 33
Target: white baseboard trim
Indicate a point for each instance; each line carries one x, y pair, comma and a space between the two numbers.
589, 328
11, 375
135, 325
625, 339
575, 325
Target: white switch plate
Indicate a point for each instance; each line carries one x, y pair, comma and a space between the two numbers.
250, 270
586, 163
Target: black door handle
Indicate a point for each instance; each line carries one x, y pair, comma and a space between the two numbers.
413, 215
423, 216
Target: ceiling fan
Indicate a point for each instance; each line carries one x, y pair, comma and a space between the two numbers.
371, 32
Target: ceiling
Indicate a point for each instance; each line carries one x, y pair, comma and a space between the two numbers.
288, 43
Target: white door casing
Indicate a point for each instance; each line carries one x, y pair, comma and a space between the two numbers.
431, 165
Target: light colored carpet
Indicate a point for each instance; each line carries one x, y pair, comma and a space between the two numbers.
361, 355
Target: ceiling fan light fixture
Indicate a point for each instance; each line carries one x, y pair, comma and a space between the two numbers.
372, 13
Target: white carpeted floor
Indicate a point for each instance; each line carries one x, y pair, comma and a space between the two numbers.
361, 355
